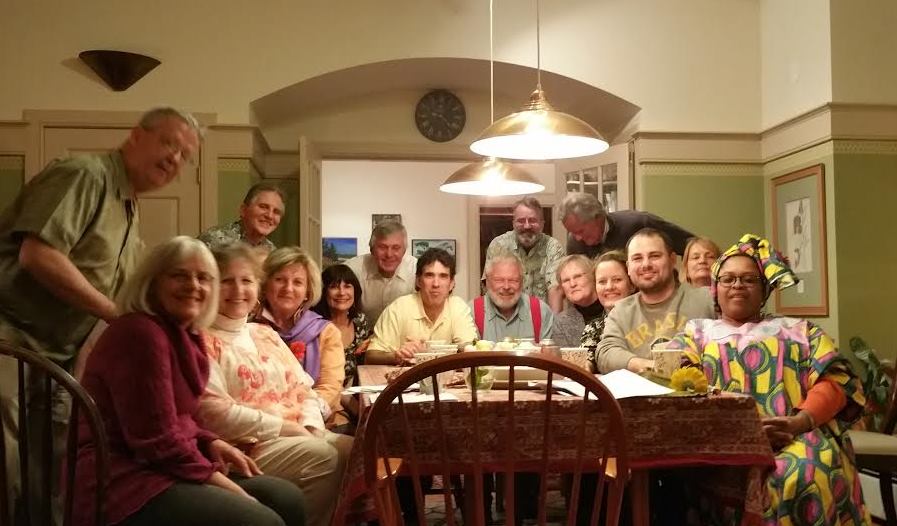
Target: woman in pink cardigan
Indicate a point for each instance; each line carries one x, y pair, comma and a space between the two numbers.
146, 374
259, 395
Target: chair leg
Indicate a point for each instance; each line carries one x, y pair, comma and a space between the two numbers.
887, 497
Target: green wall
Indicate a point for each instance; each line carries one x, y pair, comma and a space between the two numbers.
707, 201
865, 189
235, 176
12, 178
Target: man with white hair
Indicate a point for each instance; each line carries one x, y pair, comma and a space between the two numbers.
592, 230
388, 272
505, 311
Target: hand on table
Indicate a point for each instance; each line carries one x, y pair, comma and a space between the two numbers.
639, 365
227, 455
406, 352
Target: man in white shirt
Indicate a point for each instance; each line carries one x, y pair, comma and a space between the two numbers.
387, 272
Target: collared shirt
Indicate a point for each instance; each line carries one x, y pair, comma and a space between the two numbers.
83, 207
540, 263
377, 290
405, 319
222, 235
518, 325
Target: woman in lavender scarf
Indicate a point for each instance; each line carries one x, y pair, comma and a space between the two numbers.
292, 285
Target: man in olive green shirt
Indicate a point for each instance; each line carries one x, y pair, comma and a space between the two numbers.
67, 244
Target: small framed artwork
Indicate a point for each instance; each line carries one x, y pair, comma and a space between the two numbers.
338, 250
419, 246
798, 230
376, 219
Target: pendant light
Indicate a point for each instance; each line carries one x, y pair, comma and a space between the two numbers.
538, 131
491, 176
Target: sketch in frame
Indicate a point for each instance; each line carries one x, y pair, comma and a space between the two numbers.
376, 219
799, 236
419, 246
338, 250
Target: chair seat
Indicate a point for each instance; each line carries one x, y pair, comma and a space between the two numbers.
871, 443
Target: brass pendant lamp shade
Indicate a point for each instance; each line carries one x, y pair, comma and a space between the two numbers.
539, 132
491, 177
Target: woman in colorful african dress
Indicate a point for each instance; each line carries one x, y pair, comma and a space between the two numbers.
806, 392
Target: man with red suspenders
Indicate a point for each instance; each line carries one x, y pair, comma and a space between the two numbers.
504, 311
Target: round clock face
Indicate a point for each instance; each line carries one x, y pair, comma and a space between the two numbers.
440, 115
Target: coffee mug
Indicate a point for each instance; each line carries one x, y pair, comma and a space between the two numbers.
666, 361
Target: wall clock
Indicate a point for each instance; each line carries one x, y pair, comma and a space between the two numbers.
440, 115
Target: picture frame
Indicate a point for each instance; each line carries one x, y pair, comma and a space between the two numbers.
798, 231
376, 219
419, 246
338, 250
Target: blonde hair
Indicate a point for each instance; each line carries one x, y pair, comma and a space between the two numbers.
138, 294
286, 256
706, 242
583, 262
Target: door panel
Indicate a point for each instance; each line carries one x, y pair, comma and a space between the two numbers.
310, 199
164, 213
606, 175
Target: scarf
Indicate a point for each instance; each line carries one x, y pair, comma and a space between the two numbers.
303, 338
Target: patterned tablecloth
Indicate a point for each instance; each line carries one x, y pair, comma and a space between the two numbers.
723, 431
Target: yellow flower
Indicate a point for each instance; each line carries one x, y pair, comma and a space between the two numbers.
689, 379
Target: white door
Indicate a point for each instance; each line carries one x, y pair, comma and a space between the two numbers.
607, 176
164, 213
310, 199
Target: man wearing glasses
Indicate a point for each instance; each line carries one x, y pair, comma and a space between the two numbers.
657, 312
68, 243
540, 253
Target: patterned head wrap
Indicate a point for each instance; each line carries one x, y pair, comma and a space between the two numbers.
772, 265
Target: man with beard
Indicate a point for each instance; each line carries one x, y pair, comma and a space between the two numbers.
540, 253
658, 311
505, 311
430, 313
260, 214
388, 272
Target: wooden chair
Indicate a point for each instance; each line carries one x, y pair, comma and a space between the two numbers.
460, 441
876, 453
82, 403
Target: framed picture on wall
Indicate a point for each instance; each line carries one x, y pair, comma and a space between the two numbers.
419, 246
376, 219
798, 230
338, 250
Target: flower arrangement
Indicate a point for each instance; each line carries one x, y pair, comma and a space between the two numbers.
689, 379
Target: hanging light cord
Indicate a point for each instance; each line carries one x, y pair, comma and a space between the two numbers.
491, 69
538, 51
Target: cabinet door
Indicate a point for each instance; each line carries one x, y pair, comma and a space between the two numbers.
310, 199
607, 176
164, 213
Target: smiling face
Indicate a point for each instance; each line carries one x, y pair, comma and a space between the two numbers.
388, 251
589, 232
527, 225
340, 296
504, 284
650, 264
154, 156
612, 283
577, 284
435, 283
697, 264
286, 290
181, 292
740, 290
262, 215
239, 289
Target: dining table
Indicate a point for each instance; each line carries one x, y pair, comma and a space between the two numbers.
719, 435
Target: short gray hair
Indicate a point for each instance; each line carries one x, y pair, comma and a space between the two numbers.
503, 257
263, 186
532, 203
586, 207
586, 264
138, 294
149, 119
286, 256
387, 228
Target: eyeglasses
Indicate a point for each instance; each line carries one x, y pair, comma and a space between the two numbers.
182, 277
172, 147
523, 221
751, 280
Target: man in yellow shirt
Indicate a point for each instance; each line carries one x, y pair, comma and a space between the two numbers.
430, 313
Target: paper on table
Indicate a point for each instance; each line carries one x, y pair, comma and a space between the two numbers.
415, 398
621, 384
367, 389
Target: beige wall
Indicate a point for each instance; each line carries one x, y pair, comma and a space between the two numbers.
864, 44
